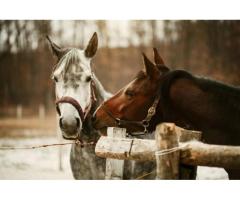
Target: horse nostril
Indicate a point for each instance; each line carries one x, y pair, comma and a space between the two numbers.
88, 78
60, 122
78, 122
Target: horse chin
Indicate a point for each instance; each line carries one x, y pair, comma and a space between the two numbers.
103, 131
99, 126
67, 136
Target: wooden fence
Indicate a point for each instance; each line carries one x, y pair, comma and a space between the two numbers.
173, 149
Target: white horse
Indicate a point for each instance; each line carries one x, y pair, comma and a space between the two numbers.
78, 94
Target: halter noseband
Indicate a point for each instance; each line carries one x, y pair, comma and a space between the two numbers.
83, 114
143, 123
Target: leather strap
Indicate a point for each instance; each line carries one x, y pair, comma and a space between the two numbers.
83, 114
71, 101
144, 123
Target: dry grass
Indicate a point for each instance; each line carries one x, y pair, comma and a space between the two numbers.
30, 126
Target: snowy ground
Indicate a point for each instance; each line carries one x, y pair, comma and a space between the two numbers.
44, 163
40, 163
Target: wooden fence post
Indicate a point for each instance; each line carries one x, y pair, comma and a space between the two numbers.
41, 111
19, 111
188, 172
167, 161
114, 168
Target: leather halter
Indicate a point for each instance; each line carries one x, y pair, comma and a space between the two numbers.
71, 101
144, 123
83, 114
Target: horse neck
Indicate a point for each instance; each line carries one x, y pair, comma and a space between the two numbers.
101, 93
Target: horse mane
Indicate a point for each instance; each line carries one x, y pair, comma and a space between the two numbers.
168, 79
103, 94
223, 99
216, 88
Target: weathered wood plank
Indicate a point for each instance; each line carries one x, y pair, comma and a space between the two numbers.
114, 168
188, 135
188, 172
198, 153
167, 162
126, 149
192, 153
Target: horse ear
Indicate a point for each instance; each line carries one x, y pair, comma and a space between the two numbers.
157, 58
150, 68
57, 51
159, 62
92, 46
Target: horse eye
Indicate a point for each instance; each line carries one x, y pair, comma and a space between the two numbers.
129, 93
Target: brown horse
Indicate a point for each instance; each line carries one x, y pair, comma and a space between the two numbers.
188, 101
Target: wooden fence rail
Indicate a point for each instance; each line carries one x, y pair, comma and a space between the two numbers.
192, 153
173, 146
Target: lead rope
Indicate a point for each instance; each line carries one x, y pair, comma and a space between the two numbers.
77, 142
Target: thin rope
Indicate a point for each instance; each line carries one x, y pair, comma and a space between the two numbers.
168, 151
47, 145
162, 153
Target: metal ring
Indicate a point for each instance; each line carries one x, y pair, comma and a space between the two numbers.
118, 121
145, 123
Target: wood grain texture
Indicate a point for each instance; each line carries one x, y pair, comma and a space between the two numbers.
167, 162
114, 168
192, 153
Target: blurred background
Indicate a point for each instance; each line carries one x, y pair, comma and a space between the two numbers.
27, 110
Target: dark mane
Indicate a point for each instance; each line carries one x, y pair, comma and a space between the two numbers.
167, 81
226, 98
220, 103
216, 88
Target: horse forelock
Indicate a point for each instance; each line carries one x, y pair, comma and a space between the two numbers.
73, 57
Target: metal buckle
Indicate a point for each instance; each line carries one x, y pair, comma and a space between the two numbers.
145, 130
118, 121
145, 124
151, 111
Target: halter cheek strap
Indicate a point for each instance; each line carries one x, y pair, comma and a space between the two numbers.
144, 123
83, 114
93, 100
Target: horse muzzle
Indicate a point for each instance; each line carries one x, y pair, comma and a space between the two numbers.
101, 122
70, 127
70, 124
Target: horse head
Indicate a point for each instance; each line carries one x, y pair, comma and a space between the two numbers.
72, 75
129, 107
